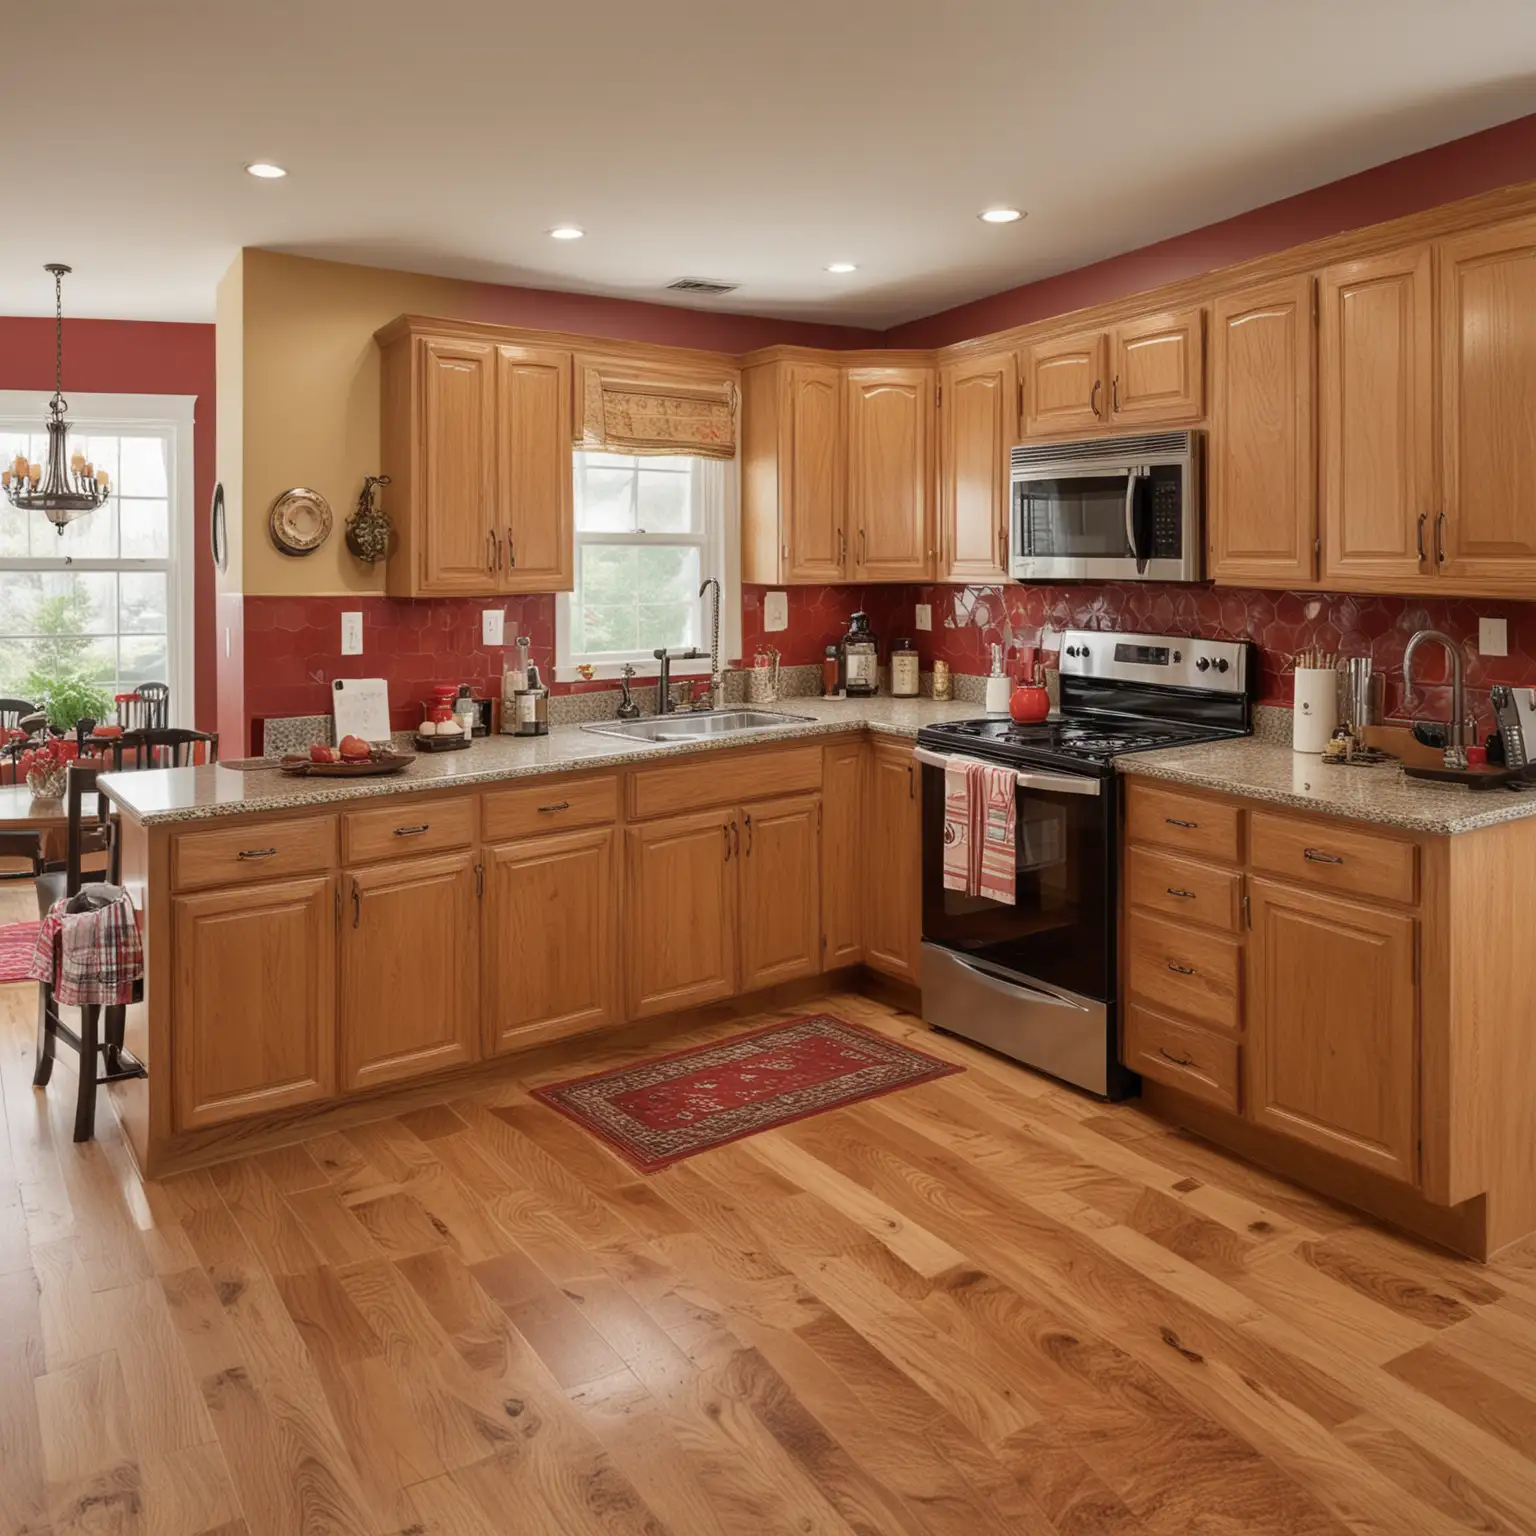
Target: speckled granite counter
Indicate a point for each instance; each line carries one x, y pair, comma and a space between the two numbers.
1262, 770
200, 794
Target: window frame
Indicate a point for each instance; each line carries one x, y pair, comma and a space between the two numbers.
716, 484
26, 410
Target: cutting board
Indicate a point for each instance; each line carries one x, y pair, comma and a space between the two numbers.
361, 707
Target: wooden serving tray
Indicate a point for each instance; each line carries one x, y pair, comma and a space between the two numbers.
385, 762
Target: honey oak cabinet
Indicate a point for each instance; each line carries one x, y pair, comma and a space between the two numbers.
534, 529
253, 1011
410, 969
549, 958
978, 425
1333, 1023
844, 780
890, 426
793, 479
779, 909
1262, 505
1064, 384
893, 854
1376, 420
1157, 369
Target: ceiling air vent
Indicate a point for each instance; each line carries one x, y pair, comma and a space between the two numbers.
704, 285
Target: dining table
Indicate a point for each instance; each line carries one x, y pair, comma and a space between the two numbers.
21, 809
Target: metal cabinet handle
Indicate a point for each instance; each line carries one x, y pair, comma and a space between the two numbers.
1178, 1061
842, 547
357, 906
748, 821
415, 831
1114, 392
1173, 890
256, 853
1440, 539
735, 839
1093, 397
1189, 826
1418, 536
1317, 856
511, 550
1181, 970
911, 783
725, 832
559, 805
490, 550
863, 547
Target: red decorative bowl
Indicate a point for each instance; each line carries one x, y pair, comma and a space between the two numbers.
1029, 704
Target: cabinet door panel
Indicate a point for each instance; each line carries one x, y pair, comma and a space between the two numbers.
1376, 419
680, 911
535, 531
1158, 372
1332, 1012
890, 471
893, 840
1065, 388
458, 466
1262, 498
978, 424
1488, 408
254, 1012
844, 777
550, 965
410, 969
813, 478
780, 891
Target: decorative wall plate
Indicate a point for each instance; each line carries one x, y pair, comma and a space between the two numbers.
219, 536
301, 521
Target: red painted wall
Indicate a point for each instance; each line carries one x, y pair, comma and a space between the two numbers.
1481, 162
135, 357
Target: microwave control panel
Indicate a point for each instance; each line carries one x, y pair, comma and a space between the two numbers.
1167, 514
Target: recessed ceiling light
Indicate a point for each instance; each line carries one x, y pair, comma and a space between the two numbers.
841, 266
266, 170
1000, 215
566, 232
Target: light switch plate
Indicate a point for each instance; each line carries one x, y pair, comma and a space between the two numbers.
1493, 637
924, 618
351, 634
493, 626
776, 611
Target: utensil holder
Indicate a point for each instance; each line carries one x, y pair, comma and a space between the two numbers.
1316, 715
762, 686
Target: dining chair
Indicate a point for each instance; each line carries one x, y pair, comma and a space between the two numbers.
155, 701
171, 747
21, 843
96, 1038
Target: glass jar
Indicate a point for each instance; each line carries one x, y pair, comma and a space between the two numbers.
905, 670
941, 680
831, 672
531, 707
861, 659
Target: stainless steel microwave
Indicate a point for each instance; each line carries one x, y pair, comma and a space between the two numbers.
1114, 509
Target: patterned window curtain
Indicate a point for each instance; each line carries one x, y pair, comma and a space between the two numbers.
632, 412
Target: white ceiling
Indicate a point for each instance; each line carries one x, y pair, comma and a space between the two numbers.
749, 142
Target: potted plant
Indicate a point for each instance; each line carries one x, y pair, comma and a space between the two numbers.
68, 698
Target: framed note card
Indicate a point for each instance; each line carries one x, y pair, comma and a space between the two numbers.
361, 707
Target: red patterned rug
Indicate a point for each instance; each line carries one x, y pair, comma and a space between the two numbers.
663, 1110
17, 941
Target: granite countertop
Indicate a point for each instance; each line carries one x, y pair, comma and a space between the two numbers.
1261, 770
162, 795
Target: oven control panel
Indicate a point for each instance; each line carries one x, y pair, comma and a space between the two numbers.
1174, 661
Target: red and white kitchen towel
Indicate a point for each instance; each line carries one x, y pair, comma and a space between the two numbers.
980, 832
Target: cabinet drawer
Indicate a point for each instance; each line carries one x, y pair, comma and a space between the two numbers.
1204, 828
718, 779
1335, 856
1182, 1055
1197, 893
1195, 974
240, 855
558, 805
407, 827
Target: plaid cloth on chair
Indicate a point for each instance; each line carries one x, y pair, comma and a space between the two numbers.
89, 949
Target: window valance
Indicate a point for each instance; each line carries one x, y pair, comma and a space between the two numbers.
629, 409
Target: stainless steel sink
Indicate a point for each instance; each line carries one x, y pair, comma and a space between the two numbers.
707, 725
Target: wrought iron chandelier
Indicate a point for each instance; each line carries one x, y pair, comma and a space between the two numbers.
62, 492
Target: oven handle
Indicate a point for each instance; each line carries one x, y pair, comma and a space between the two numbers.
1058, 783
1011, 987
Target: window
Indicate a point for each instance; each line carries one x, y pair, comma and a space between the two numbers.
109, 599
649, 532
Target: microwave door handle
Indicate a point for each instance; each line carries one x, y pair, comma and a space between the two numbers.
1057, 783
1132, 476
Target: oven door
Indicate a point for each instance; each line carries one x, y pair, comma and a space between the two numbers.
1060, 930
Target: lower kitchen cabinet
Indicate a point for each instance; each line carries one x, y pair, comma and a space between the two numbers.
680, 894
1333, 1026
780, 905
410, 969
893, 842
844, 775
254, 999
549, 961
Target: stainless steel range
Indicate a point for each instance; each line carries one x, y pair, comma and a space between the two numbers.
1038, 980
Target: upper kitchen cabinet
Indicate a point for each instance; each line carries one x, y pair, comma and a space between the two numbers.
890, 425
792, 473
1157, 369
1064, 384
476, 439
1485, 529
978, 424
1262, 503
1376, 437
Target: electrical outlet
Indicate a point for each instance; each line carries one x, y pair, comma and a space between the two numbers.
351, 634
1493, 637
776, 611
924, 616
492, 626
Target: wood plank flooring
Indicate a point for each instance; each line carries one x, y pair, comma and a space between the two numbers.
984, 1306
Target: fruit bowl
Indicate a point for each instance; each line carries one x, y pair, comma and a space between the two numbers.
354, 768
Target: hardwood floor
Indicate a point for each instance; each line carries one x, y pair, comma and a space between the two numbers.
985, 1305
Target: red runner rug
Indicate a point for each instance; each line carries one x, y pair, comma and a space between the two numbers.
671, 1107
17, 941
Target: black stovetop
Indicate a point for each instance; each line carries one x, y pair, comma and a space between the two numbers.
1081, 741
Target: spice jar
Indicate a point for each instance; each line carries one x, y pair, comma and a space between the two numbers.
941, 684
904, 669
